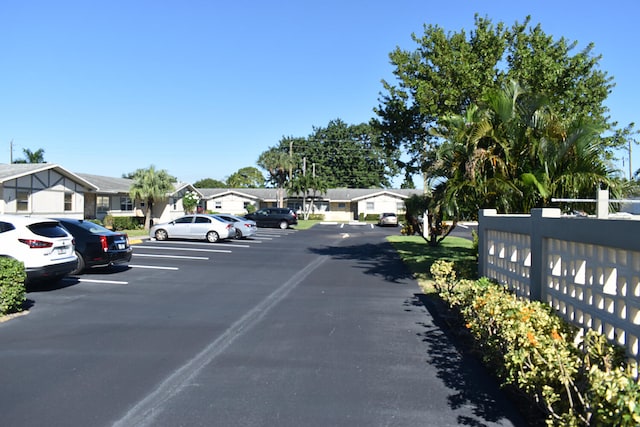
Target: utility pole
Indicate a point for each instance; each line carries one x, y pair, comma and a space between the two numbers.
630, 169
11, 151
290, 159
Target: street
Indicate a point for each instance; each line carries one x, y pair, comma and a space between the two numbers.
322, 327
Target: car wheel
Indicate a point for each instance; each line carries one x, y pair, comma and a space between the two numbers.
283, 225
238, 234
212, 237
162, 235
81, 265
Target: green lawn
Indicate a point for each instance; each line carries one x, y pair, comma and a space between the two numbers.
419, 256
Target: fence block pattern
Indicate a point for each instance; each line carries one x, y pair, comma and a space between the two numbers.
588, 270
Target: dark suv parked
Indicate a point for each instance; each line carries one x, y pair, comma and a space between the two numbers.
274, 217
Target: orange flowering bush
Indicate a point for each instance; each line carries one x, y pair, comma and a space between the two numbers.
534, 350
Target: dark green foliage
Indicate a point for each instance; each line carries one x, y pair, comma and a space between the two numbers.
339, 155
511, 160
116, 223
12, 289
209, 183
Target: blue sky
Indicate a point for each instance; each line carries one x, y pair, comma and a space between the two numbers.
201, 88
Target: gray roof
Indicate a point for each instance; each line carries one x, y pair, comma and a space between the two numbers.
254, 193
333, 194
111, 185
9, 171
107, 184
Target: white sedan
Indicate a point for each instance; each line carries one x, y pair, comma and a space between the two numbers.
197, 226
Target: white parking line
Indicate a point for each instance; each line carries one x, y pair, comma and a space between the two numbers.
185, 249
153, 267
240, 245
110, 282
192, 243
172, 256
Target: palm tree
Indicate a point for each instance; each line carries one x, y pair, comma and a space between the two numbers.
302, 185
512, 153
150, 185
277, 163
32, 156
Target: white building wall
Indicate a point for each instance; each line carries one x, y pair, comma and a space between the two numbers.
46, 195
381, 203
229, 203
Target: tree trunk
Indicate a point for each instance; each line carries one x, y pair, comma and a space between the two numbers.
147, 215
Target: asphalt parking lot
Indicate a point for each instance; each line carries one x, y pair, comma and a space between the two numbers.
317, 327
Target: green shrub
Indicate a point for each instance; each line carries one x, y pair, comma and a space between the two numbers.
534, 350
12, 289
124, 223
316, 217
444, 276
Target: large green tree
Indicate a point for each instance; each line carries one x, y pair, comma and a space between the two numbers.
450, 71
248, 177
209, 183
342, 155
150, 185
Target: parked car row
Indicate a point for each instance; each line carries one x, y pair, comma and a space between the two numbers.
215, 227
51, 248
210, 227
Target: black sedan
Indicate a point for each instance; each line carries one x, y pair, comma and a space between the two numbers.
97, 246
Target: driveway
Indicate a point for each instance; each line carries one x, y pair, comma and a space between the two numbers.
323, 327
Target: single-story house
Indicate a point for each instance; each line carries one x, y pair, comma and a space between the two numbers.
342, 204
43, 189
50, 190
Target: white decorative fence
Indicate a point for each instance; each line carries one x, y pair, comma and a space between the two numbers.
587, 269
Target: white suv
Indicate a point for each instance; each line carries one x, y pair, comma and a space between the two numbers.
42, 244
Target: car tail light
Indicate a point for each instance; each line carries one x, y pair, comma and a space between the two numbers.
36, 244
229, 226
104, 243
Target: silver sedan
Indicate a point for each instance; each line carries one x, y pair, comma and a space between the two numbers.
244, 227
198, 226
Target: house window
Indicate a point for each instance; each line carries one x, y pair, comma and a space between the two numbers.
342, 205
102, 204
22, 201
68, 202
370, 206
126, 204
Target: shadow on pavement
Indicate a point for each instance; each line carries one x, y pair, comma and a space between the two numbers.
375, 259
463, 372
